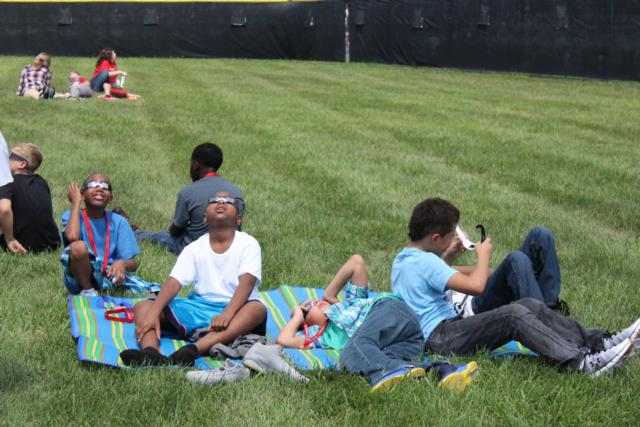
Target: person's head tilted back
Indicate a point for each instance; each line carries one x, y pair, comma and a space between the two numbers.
26, 158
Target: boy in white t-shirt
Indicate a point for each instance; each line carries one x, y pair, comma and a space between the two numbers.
225, 268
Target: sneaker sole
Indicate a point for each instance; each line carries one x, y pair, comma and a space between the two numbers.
459, 381
201, 379
615, 362
388, 384
253, 366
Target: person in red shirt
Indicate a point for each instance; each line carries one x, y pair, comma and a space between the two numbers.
104, 78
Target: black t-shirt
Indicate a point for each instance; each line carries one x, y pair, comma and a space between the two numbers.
33, 224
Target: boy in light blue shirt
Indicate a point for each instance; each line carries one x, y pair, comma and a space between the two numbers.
421, 274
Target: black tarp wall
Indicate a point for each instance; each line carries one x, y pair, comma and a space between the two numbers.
290, 30
597, 38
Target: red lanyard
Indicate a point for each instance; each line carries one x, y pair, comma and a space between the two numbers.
308, 341
208, 174
87, 225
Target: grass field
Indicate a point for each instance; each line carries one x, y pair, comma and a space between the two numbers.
332, 158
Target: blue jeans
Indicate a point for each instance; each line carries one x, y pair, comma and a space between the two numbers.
390, 338
99, 80
531, 272
553, 336
163, 238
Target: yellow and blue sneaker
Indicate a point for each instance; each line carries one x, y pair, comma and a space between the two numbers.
392, 378
456, 377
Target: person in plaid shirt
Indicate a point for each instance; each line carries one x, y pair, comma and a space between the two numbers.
35, 76
380, 338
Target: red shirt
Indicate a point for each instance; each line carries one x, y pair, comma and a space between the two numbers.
106, 66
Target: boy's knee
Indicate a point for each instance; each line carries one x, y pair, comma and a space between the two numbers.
516, 309
541, 234
518, 260
260, 310
531, 304
357, 260
141, 309
78, 249
254, 310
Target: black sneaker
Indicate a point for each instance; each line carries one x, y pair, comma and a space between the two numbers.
148, 356
185, 356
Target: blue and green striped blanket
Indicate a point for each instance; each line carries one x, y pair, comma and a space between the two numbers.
101, 340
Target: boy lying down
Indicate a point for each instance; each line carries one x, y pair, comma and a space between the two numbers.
379, 338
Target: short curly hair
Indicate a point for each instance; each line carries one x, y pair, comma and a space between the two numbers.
432, 215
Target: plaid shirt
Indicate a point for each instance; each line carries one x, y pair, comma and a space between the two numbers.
351, 312
33, 79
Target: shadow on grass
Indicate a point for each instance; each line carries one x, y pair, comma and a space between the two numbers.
13, 375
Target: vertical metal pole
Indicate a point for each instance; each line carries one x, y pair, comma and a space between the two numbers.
347, 42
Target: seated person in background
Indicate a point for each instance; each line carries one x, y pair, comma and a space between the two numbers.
35, 77
225, 268
26, 213
79, 87
421, 276
188, 220
105, 77
531, 272
100, 245
380, 338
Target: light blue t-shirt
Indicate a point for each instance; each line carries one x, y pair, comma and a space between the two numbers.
420, 279
122, 243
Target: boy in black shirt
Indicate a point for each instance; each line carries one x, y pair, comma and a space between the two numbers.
26, 213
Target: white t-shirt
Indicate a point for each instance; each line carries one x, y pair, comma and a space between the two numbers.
5, 171
215, 276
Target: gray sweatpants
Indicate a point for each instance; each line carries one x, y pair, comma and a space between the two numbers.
80, 91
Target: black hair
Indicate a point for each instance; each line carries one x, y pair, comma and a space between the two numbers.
432, 216
208, 155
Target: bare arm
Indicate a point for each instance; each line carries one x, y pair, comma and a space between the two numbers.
117, 73
72, 231
6, 223
287, 336
475, 282
468, 269
354, 269
246, 283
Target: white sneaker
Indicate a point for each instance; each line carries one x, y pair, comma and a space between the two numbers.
271, 358
88, 293
632, 332
461, 303
228, 373
596, 364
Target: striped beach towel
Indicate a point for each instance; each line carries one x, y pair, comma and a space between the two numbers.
100, 340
